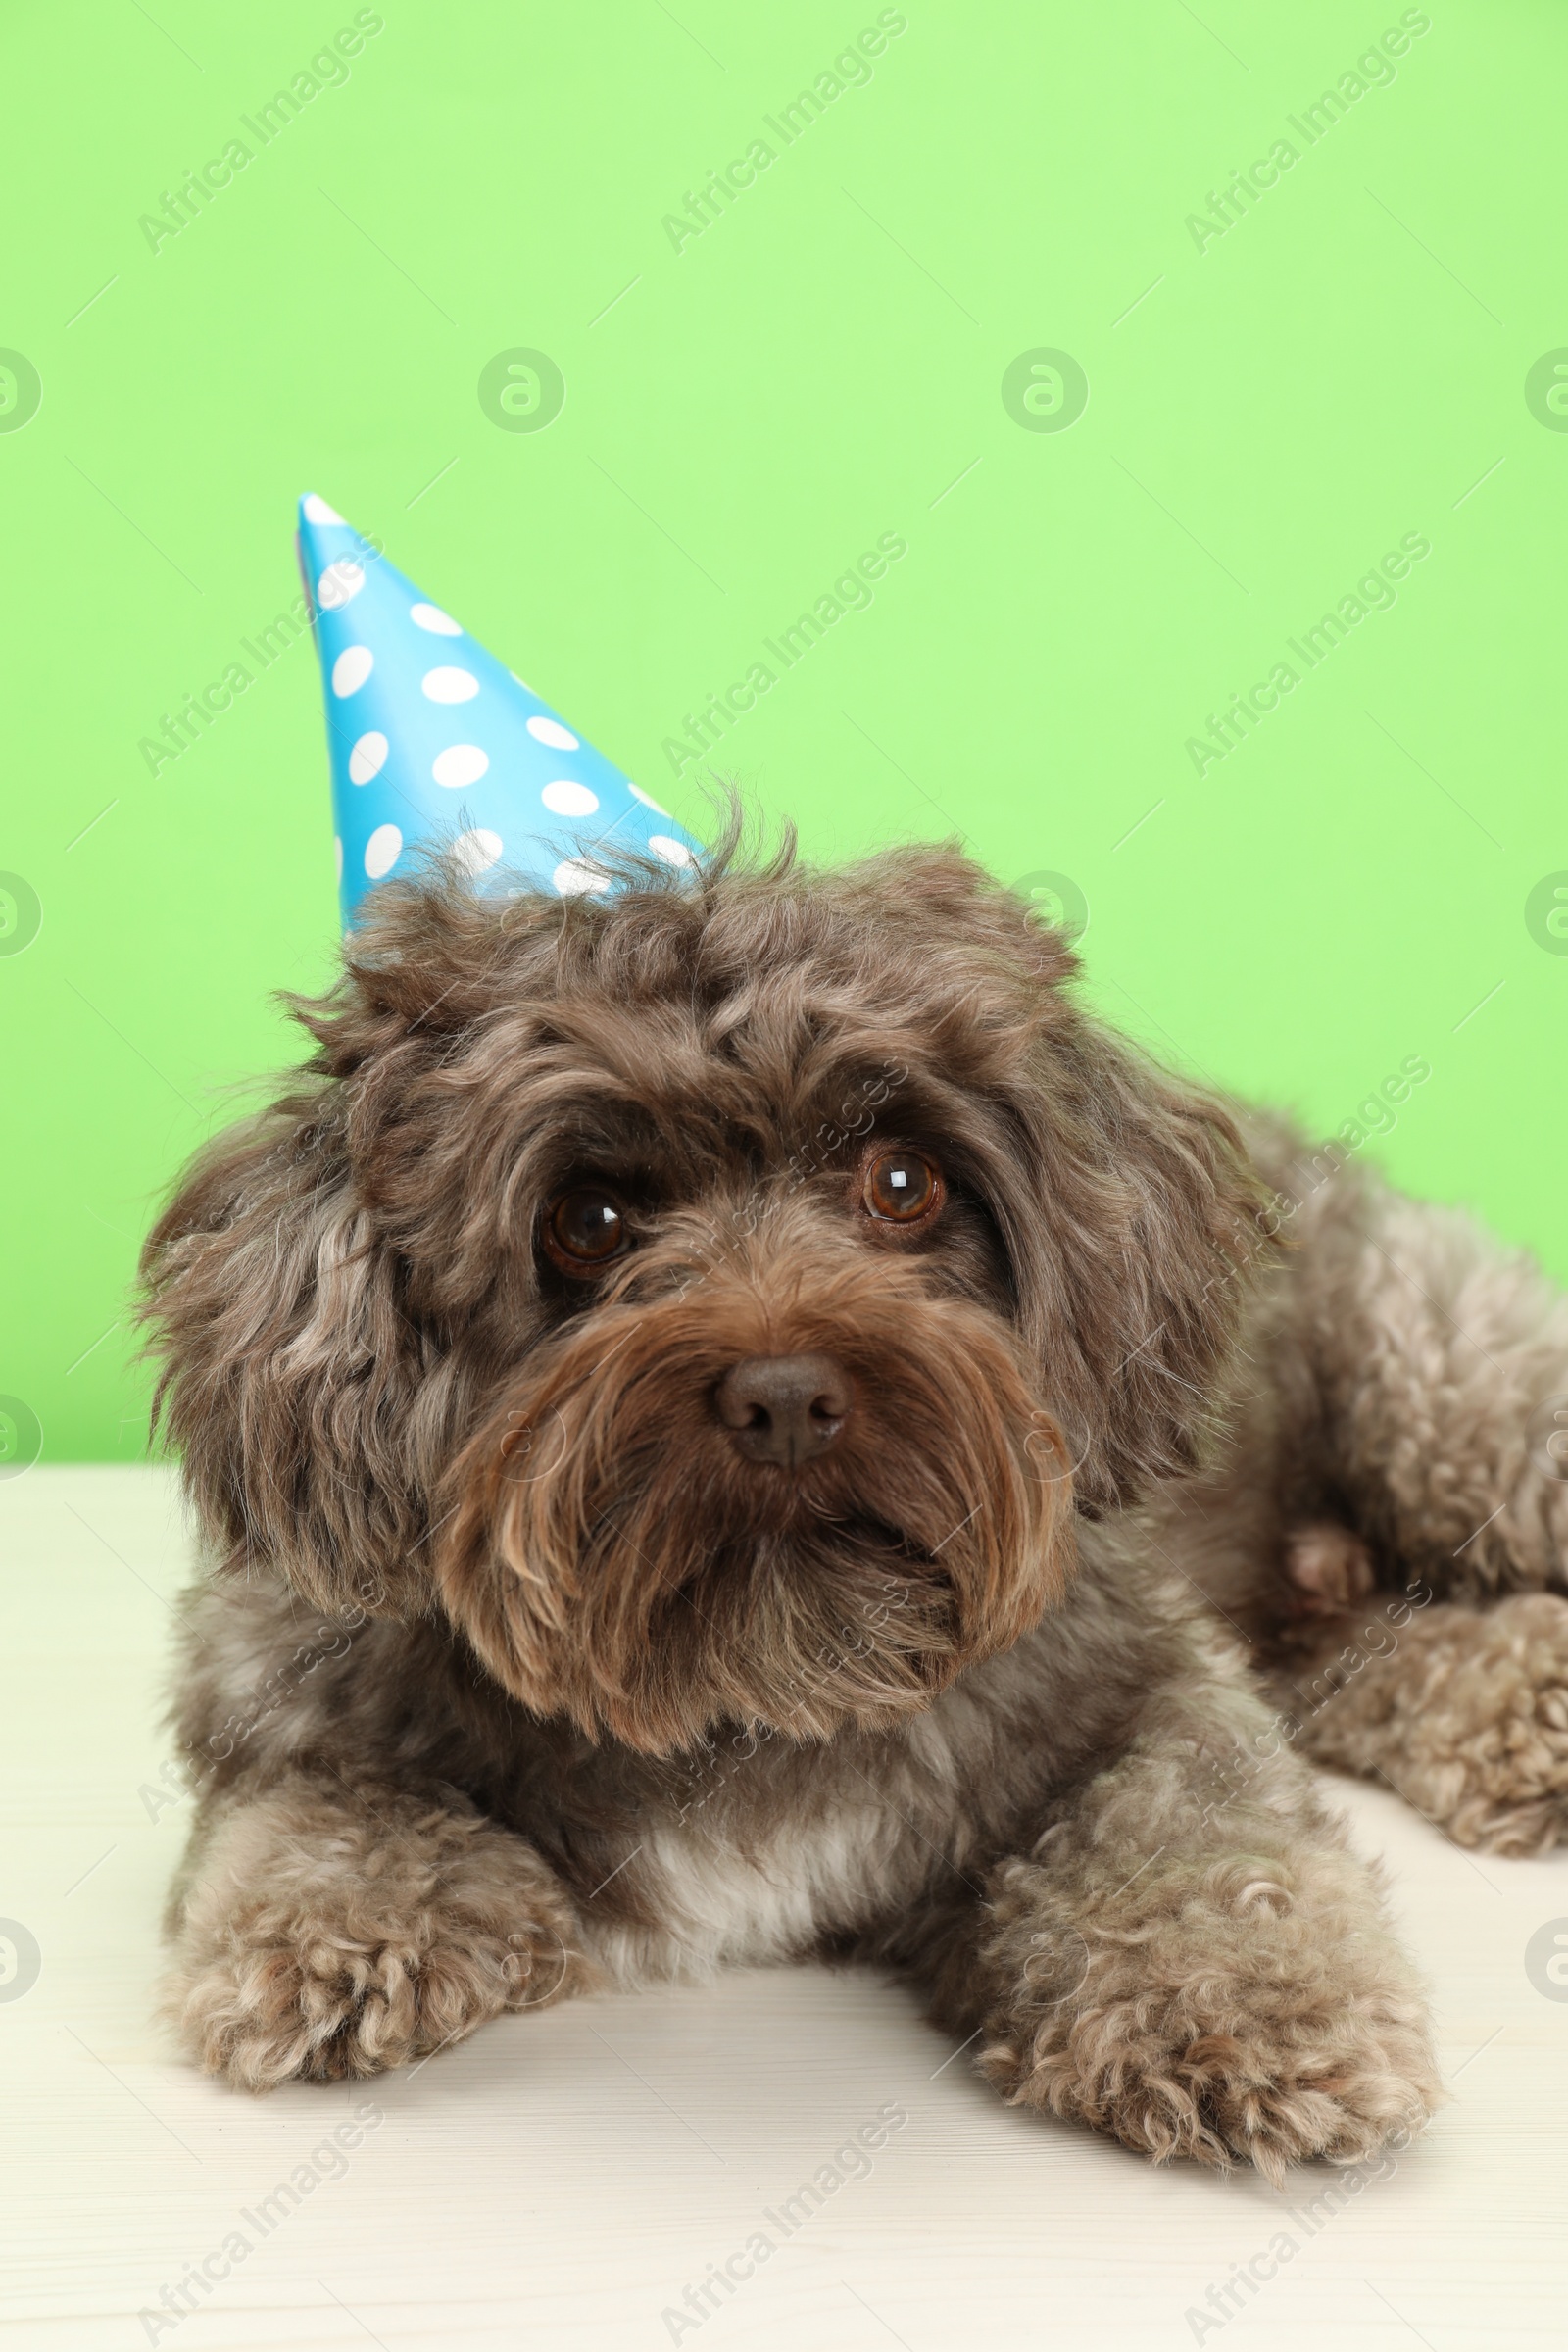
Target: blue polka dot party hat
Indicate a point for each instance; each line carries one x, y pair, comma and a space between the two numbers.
434, 741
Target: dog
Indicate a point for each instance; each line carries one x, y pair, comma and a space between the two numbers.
734, 1420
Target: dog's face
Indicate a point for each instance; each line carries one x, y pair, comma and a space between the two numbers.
716, 1298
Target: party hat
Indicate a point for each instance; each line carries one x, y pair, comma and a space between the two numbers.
435, 741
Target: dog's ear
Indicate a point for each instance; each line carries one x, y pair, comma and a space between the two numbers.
291, 1380
1136, 1225
302, 1380
1172, 1237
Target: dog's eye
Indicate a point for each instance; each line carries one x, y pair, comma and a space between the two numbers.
900, 1188
584, 1229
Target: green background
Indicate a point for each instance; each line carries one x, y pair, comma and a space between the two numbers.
743, 416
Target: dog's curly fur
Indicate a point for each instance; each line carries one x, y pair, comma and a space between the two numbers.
515, 1672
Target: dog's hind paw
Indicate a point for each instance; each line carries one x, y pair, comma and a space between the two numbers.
1467, 1718
1327, 1569
318, 1942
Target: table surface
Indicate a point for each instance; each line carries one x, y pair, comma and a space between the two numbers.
563, 2179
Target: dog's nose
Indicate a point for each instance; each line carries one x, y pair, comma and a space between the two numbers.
784, 1408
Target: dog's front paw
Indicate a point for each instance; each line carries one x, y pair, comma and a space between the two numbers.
317, 1943
1227, 2014
1467, 1717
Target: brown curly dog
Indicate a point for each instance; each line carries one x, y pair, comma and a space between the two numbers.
735, 1420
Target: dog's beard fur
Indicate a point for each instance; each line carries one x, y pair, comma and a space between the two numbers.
613, 1557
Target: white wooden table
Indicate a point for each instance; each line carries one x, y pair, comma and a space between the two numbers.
562, 2179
